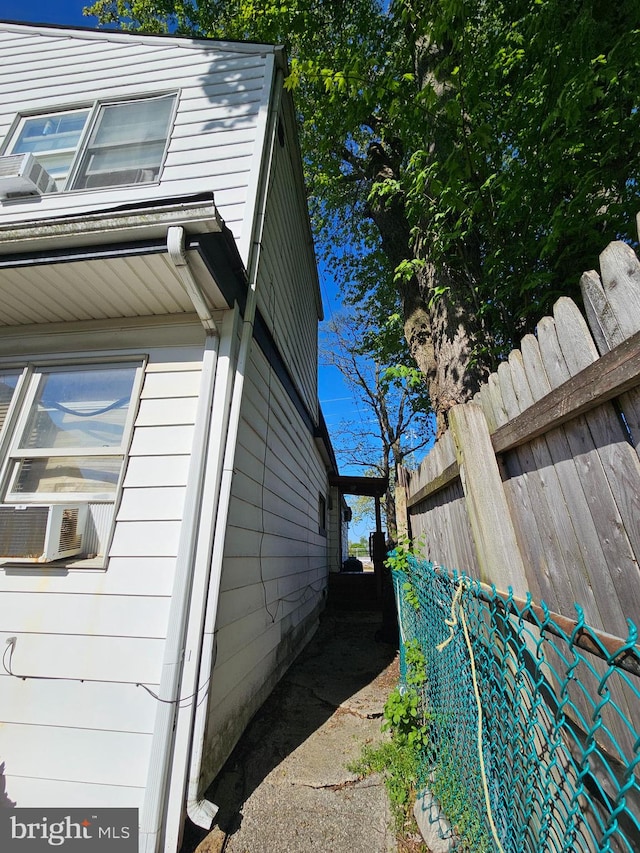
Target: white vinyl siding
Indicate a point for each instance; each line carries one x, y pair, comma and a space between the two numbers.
89, 742
216, 141
275, 564
288, 287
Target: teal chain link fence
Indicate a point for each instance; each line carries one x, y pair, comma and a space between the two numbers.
533, 720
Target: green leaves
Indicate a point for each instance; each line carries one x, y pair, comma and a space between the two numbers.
495, 144
403, 716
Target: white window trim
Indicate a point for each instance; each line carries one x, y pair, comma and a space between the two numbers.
94, 108
18, 414
11, 433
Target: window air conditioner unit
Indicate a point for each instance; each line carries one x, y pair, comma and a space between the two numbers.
21, 174
35, 533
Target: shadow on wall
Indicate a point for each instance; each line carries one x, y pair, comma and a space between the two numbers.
5, 802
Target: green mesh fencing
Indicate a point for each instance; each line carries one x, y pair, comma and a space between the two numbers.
533, 728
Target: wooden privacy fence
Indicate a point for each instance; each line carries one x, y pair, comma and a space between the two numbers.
536, 484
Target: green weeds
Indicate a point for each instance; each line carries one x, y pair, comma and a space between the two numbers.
399, 758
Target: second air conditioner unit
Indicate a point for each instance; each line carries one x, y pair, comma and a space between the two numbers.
22, 175
39, 533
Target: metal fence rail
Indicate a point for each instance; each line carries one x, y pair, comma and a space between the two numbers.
533, 719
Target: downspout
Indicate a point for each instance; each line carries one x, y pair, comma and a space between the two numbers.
190, 690
176, 240
198, 809
152, 816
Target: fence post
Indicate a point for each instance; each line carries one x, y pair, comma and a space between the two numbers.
402, 517
494, 536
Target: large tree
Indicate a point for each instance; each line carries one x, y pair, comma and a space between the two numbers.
486, 149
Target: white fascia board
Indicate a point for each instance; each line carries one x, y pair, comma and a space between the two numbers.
108, 226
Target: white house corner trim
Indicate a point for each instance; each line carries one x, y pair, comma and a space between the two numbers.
273, 77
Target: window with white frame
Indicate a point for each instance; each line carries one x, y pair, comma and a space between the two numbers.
105, 145
64, 435
52, 139
8, 382
70, 432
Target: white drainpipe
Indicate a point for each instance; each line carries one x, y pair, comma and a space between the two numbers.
152, 813
198, 809
201, 570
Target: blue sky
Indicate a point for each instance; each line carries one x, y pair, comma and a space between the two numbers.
335, 398
46, 12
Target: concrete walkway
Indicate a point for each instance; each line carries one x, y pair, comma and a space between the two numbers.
286, 787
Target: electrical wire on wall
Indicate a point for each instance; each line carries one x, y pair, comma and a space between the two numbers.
7, 665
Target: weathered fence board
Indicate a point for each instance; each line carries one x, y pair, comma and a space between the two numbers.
562, 519
621, 469
496, 545
570, 474
590, 555
613, 313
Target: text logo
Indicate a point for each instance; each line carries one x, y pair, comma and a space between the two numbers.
69, 830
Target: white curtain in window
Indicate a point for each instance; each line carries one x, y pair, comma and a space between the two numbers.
72, 440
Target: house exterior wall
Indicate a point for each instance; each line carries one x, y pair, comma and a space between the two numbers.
288, 289
97, 635
274, 576
216, 141
88, 741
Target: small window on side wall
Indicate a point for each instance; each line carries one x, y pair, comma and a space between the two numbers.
322, 515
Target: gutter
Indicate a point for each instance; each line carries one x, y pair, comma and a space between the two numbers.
133, 222
176, 242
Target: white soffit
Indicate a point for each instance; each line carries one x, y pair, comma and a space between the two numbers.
97, 289
102, 266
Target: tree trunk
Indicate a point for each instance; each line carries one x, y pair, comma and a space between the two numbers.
459, 371
441, 330
390, 512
